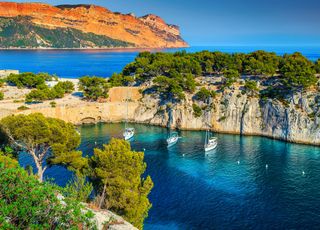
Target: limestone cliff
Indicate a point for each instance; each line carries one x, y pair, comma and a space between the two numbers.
90, 23
230, 112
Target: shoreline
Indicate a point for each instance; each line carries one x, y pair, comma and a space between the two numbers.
95, 48
202, 130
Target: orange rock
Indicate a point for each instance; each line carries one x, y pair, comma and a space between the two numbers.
149, 31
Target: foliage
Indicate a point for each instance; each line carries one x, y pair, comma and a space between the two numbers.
175, 84
53, 104
23, 33
119, 172
231, 76
298, 71
251, 87
94, 87
28, 80
7, 161
204, 94
78, 188
43, 92
317, 66
261, 63
1, 96
23, 107
43, 137
197, 111
120, 80
25, 203
67, 86
2, 81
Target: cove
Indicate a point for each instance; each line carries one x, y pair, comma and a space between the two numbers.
230, 188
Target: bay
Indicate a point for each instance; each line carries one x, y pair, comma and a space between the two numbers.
229, 188
103, 63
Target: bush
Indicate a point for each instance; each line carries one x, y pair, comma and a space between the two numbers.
53, 104
43, 92
23, 107
204, 94
67, 86
28, 80
197, 111
251, 87
1, 96
26, 203
94, 87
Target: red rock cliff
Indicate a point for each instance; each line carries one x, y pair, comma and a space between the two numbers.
149, 31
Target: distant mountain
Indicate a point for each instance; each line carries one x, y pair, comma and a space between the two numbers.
38, 25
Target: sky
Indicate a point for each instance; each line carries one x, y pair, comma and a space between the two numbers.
229, 22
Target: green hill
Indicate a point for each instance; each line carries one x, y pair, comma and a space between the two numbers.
20, 32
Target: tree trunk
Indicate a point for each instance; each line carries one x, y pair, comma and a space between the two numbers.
103, 195
40, 173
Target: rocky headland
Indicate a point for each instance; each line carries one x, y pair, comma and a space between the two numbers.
39, 25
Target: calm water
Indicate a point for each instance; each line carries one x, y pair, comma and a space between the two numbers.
193, 190
197, 191
77, 63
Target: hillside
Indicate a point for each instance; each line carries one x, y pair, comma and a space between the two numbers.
37, 25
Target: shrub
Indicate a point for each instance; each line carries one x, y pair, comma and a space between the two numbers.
251, 87
197, 112
94, 87
204, 94
1, 96
26, 203
23, 107
28, 80
53, 104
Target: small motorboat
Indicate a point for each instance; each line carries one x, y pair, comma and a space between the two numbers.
172, 139
128, 133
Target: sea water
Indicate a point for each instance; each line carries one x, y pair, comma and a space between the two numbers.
246, 183
103, 63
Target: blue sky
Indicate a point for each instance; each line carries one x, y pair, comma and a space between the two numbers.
230, 22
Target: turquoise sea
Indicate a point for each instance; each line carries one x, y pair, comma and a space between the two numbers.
230, 188
103, 63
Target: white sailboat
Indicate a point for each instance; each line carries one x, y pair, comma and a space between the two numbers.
210, 142
128, 132
172, 139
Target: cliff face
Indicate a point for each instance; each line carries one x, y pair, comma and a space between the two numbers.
231, 112
240, 114
149, 31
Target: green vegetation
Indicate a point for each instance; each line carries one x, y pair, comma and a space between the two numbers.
317, 66
23, 107
26, 203
1, 96
29, 80
231, 76
43, 137
204, 94
23, 33
118, 171
2, 81
43, 92
115, 171
120, 80
197, 111
173, 74
297, 71
251, 87
94, 88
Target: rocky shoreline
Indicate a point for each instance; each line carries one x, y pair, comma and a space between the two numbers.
231, 113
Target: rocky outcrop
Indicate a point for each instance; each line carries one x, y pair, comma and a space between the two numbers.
231, 112
149, 31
